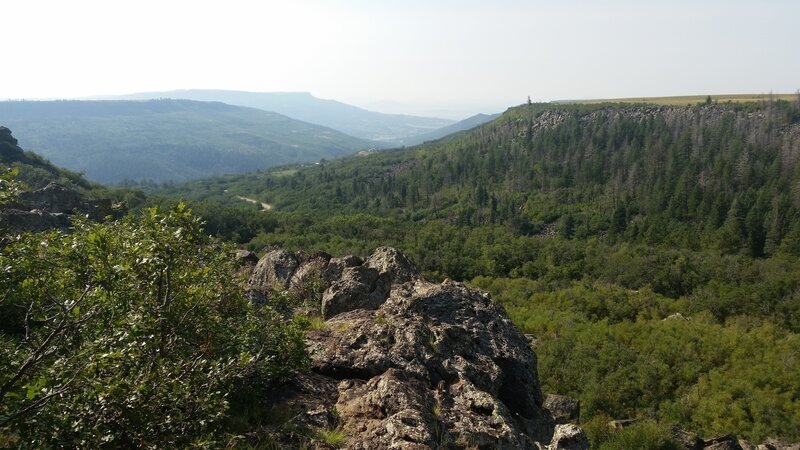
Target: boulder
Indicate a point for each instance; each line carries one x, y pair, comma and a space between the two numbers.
569, 437
725, 442
273, 272
246, 258
19, 221
333, 271
419, 365
388, 260
686, 439
360, 287
308, 280
54, 198
773, 443
563, 409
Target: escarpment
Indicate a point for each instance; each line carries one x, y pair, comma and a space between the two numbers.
403, 363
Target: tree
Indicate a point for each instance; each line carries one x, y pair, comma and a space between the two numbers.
134, 333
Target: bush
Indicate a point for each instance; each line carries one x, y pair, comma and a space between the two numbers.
134, 333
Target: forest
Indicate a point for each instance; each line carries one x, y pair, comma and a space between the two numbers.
650, 250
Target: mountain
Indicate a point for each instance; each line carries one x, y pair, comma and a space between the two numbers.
167, 140
390, 129
466, 124
650, 251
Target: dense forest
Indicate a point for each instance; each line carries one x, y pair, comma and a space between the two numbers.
651, 250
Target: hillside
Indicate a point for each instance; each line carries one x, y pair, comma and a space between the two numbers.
466, 124
389, 129
35, 171
167, 140
649, 250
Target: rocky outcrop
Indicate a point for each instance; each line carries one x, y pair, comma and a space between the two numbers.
50, 208
16, 220
8, 142
54, 198
403, 363
569, 437
563, 409
686, 439
726, 442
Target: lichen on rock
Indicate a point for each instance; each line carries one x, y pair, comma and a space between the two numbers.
416, 364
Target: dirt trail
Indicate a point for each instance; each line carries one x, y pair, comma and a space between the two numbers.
264, 206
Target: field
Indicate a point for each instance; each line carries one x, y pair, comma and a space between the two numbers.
689, 99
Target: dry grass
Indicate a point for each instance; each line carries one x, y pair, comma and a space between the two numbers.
689, 99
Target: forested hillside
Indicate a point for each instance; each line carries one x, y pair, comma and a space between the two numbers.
593, 224
161, 140
388, 129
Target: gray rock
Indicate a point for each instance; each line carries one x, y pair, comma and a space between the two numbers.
309, 280
419, 365
246, 258
19, 221
686, 439
773, 443
569, 437
746, 445
390, 261
273, 272
563, 409
54, 198
333, 271
360, 287
726, 442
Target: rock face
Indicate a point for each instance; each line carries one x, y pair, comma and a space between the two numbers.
54, 198
6, 138
402, 363
569, 437
50, 207
563, 409
273, 272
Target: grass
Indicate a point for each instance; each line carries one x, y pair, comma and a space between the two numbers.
689, 99
343, 325
334, 437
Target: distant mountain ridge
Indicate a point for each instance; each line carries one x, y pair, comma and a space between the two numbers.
164, 140
390, 129
463, 125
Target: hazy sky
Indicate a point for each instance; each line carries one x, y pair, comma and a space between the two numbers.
422, 56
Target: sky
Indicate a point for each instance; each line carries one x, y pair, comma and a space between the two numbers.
448, 58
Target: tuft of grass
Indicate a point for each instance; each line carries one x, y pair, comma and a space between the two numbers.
333, 437
316, 323
381, 319
437, 408
341, 325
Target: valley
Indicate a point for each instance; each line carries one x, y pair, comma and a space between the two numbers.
648, 252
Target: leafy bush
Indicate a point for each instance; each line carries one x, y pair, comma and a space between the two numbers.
134, 333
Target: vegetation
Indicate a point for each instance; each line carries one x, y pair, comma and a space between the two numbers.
128, 334
682, 100
592, 224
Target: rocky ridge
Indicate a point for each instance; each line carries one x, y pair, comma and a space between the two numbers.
398, 362
49, 207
